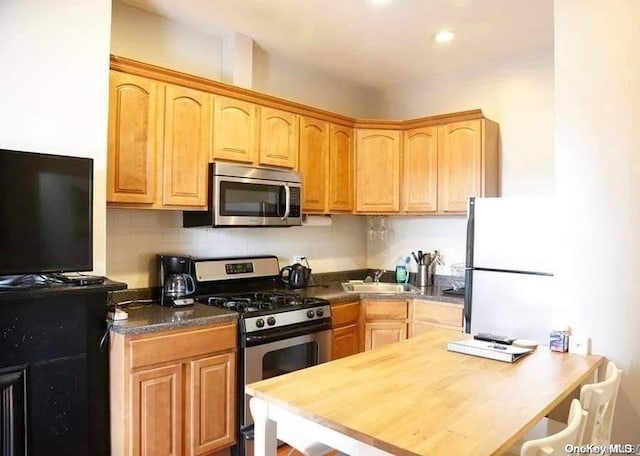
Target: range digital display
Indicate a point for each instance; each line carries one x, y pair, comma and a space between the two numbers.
238, 268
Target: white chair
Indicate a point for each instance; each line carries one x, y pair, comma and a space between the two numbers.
556, 444
599, 400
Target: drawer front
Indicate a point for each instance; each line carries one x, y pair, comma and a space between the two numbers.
385, 309
169, 346
435, 312
345, 313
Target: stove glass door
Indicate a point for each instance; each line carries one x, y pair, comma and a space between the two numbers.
283, 356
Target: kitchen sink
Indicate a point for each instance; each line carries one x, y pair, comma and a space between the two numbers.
381, 287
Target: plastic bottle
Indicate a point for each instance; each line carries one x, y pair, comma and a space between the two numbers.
402, 273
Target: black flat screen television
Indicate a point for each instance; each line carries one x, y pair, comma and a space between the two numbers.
46, 213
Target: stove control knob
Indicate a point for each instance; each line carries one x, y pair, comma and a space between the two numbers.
271, 321
260, 323
320, 312
311, 314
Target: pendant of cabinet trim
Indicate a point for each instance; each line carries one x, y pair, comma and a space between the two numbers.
378, 170
278, 138
159, 141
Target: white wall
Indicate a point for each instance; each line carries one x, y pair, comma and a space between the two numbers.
149, 38
517, 94
54, 86
136, 236
597, 80
283, 77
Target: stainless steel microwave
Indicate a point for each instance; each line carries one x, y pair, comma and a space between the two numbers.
247, 196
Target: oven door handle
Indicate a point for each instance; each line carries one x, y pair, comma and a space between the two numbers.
276, 335
287, 201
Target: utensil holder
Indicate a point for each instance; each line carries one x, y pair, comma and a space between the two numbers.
423, 279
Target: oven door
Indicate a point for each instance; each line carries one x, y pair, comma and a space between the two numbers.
240, 201
283, 356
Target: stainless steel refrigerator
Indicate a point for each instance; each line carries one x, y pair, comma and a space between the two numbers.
509, 282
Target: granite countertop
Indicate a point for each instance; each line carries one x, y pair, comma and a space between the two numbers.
59, 289
151, 317
334, 292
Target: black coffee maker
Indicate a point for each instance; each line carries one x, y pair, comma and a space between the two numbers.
176, 280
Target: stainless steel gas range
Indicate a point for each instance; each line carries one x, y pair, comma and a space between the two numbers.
279, 330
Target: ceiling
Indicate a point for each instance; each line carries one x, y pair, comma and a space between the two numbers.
372, 44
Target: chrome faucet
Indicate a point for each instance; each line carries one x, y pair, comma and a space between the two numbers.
378, 274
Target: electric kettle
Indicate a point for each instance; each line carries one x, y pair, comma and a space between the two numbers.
295, 276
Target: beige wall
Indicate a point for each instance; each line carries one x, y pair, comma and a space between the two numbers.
283, 77
149, 38
134, 237
517, 94
54, 87
597, 103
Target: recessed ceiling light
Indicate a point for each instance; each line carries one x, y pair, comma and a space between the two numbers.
445, 36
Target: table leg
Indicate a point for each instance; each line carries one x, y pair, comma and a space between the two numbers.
265, 441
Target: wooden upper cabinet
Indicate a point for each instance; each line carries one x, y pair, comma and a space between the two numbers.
378, 170
340, 169
314, 163
187, 134
131, 169
278, 138
420, 173
235, 133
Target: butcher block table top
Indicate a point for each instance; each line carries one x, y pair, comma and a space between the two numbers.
416, 398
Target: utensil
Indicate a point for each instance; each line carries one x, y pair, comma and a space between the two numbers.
420, 257
415, 257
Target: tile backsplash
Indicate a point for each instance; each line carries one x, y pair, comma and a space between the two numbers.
134, 237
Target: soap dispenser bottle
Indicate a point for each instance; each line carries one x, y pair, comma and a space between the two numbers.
402, 273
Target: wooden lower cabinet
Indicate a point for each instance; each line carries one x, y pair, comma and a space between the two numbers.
426, 315
346, 334
157, 403
378, 334
171, 394
385, 322
345, 341
211, 385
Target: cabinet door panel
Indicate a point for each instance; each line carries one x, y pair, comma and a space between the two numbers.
378, 334
212, 420
345, 341
157, 412
418, 328
313, 165
420, 170
278, 138
460, 164
378, 170
131, 170
234, 130
340, 168
187, 134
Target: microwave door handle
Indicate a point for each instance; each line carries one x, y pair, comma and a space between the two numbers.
287, 202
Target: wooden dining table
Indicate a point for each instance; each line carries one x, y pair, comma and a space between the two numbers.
415, 398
